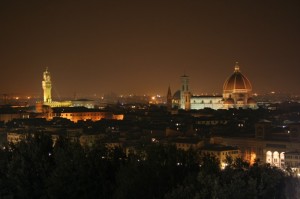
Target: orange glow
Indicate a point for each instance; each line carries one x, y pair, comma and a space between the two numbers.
118, 117
250, 157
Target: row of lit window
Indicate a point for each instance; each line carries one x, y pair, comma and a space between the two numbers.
80, 114
292, 157
230, 152
292, 164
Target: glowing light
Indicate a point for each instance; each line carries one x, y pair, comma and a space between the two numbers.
252, 158
223, 165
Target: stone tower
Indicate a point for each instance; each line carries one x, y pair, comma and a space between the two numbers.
169, 99
185, 95
47, 85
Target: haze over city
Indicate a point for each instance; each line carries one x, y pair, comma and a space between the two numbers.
142, 47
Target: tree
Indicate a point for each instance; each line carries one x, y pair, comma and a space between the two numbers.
30, 165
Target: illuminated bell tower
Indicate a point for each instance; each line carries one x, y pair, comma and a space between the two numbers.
185, 95
46, 83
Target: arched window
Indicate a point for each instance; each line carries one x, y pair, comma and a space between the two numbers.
282, 159
276, 160
269, 157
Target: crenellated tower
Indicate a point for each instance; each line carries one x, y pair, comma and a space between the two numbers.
47, 85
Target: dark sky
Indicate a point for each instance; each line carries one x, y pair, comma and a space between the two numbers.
97, 47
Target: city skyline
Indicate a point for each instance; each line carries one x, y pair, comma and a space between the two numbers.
143, 47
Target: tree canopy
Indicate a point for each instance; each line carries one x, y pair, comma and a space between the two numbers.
35, 168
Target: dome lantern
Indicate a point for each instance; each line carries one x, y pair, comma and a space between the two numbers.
236, 67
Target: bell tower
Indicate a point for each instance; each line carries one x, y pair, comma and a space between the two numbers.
185, 95
47, 85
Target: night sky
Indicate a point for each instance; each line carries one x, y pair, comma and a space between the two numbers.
142, 47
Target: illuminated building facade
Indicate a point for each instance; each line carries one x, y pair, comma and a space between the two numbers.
279, 149
76, 114
201, 102
83, 103
237, 93
292, 160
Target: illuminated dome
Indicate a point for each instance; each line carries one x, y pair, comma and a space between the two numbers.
237, 91
237, 82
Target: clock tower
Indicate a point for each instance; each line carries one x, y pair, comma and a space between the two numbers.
47, 85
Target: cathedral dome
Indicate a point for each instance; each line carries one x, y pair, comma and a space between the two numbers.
237, 82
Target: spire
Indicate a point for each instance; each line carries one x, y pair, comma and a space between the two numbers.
169, 99
169, 91
236, 67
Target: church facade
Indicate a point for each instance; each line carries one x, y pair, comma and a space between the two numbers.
237, 93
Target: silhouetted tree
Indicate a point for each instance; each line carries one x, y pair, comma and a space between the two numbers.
30, 165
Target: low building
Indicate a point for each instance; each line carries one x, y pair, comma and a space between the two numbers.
292, 160
8, 113
221, 152
76, 114
16, 136
83, 103
90, 139
188, 143
269, 144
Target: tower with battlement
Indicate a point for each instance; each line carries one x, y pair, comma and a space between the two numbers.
47, 86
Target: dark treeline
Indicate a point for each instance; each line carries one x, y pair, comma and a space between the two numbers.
35, 169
